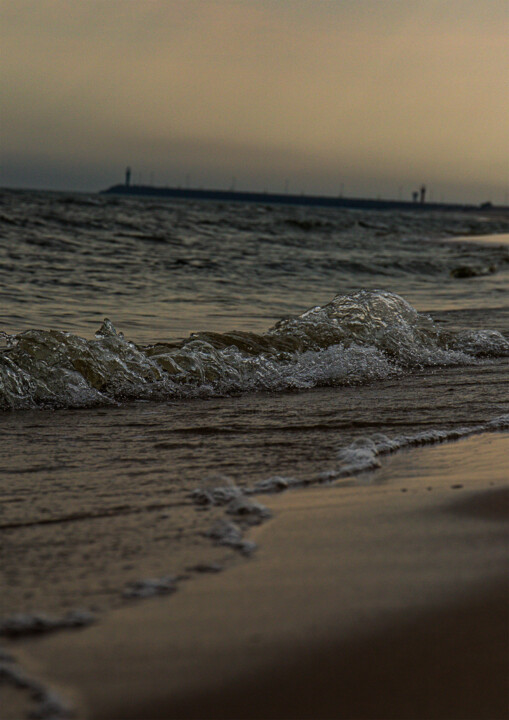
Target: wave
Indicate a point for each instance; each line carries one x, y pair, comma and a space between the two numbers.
356, 338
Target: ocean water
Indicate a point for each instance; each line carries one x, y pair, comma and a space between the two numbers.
162, 364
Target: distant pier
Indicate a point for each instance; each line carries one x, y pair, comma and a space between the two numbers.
266, 198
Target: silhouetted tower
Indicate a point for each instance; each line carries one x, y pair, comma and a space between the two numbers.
423, 193
415, 196
128, 176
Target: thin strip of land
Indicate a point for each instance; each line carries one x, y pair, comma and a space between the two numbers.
268, 198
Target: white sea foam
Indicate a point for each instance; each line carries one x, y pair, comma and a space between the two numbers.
221, 495
148, 587
229, 534
37, 623
48, 705
364, 454
249, 510
276, 483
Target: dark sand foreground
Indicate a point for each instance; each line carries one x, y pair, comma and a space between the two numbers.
388, 600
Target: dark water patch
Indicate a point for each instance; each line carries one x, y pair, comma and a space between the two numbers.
469, 271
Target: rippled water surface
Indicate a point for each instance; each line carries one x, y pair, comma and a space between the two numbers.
160, 270
242, 343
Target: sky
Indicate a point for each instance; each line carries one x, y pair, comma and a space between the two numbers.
356, 97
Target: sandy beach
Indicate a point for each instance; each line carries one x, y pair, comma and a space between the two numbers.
385, 599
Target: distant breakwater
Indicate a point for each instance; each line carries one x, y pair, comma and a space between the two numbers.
265, 198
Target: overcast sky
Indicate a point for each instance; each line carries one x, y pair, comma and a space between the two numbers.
367, 97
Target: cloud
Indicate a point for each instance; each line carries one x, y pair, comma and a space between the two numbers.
382, 88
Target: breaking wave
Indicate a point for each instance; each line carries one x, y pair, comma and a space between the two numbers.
356, 338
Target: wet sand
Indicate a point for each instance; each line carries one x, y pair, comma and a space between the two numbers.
386, 599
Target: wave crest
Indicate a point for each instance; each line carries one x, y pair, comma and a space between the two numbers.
360, 337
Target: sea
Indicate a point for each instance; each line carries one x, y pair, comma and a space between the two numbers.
164, 364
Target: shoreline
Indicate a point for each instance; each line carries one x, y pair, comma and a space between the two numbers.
361, 602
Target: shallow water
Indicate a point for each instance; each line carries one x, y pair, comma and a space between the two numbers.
106, 436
